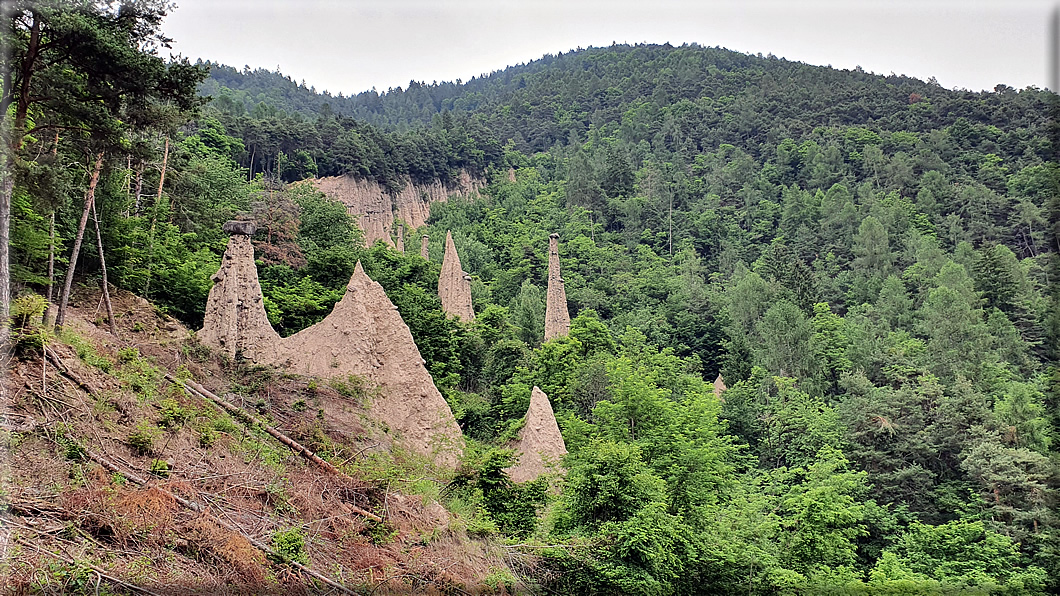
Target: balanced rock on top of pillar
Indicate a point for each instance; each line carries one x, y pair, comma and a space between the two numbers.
364, 335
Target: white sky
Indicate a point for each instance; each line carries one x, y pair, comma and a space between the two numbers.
354, 45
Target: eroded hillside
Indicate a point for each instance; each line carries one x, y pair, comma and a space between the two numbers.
124, 475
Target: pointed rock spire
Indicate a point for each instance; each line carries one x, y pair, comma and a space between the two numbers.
454, 286
719, 387
557, 319
366, 336
235, 318
424, 251
401, 238
540, 447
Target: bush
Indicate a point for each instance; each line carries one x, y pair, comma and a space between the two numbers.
290, 546
142, 440
173, 414
160, 468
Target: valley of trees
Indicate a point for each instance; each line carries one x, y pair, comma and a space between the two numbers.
869, 262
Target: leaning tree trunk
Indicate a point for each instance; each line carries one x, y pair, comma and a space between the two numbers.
90, 198
103, 267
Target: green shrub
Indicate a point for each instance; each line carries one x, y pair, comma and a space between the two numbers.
290, 546
27, 336
353, 387
160, 468
142, 440
87, 352
72, 450
128, 355
207, 436
173, 414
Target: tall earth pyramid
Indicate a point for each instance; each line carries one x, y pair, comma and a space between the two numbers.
401, 238
235, 318
540, 446
454, 286
424, 247
557, 319
364, 335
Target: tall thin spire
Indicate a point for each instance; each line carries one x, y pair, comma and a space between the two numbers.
426, 254
454, 286
401, 238
557, 319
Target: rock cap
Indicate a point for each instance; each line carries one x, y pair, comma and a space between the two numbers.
240, 226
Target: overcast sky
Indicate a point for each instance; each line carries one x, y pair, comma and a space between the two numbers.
350, 46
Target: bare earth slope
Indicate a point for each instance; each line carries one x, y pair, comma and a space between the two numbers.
377, 210
70, 525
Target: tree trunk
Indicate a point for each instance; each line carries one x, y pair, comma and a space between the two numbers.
154, 219
51, 258
90, 198
139, 185
7, 181
103, 268
7, 185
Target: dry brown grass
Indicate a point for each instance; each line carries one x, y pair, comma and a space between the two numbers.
209, 542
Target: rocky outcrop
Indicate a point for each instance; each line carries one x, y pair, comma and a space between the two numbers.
235, 320
424, 250
719, 387
540, 446
364, 335
454, 286
401, 238
377, 210
557, 319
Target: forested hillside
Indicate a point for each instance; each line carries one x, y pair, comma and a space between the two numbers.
869, 263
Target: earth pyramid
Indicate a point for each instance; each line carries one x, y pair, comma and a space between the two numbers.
454, 286
364, 335
540, 446
557, 319
235, 319
719, 386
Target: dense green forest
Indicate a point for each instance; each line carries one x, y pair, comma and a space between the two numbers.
869, 262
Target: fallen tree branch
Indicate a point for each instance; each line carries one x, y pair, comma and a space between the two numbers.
76, 562
231, 527
297, 447
66, 372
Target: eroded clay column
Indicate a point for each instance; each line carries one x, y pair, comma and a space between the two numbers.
557, 319
424, 252
454, 286
235, 319
401, 238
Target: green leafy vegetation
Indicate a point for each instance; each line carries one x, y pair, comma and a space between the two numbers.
868, 262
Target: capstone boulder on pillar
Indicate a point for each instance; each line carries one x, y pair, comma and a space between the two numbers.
235, 319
